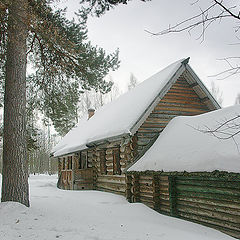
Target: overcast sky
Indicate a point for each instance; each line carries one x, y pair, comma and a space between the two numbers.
143, 55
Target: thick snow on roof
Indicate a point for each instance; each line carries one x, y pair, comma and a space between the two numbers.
72, 136
184, 146
119, 116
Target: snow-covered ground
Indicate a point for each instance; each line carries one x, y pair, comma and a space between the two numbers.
90, 215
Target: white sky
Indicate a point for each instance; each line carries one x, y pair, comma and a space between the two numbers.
143, 55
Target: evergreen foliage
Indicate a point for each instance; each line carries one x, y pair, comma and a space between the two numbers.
99, 7
62, 58
64, 61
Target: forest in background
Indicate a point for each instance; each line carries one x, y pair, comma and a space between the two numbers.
42, 136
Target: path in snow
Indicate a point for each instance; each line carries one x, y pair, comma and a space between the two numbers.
90, 215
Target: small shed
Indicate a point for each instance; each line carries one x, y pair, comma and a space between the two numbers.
192, 171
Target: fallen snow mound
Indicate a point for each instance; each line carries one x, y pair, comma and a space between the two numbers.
184, 144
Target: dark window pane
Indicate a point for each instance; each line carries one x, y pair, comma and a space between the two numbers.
103, 167
116, 162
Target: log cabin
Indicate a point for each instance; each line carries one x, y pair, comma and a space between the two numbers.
192, 171
96, 153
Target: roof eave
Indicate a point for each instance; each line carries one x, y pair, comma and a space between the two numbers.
109, 139
203, 87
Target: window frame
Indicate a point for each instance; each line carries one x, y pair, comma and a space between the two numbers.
63, 164
103, 166
83, 163
116, 161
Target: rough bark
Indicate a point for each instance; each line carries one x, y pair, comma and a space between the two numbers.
15, 172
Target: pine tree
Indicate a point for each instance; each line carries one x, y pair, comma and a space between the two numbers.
61, 56
216, 93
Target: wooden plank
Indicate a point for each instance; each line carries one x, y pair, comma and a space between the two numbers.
164, 196
213, 202
163, 188
111, 191
109, 151
109, 168
145, 182
228, 177
163, 179
194, 99
207, 219
146, 177
111, 179
211, 207
112, 186
180, 109
154, 125
146, 198
198, 210
128, 188
146, 194
208, 195
157, 120
210, 183
204, 189
165, 203
109, 157
109, 163
136, 187
163, 208
149, 204
183, 105
172, 195
184, 100
175, 92
144, 188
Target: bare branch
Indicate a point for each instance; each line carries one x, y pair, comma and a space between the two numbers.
32, 44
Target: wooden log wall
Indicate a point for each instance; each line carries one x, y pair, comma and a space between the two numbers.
180, 100
153, 191
90, 158
66, 180
145, 189
108, 181
111, 183
164, 199
210, 201
65, 173
83, 179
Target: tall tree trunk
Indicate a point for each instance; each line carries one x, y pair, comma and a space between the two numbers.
15, 170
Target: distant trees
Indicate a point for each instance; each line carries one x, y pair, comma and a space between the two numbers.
39, 160
237, 100
132, 82
93, 99
216, 93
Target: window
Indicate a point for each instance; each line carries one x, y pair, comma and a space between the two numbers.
103, 167
69, 163
63, 164
59, 165
116, 162
82, 163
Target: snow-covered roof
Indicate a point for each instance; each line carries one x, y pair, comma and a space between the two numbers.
124, 115
184, 144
